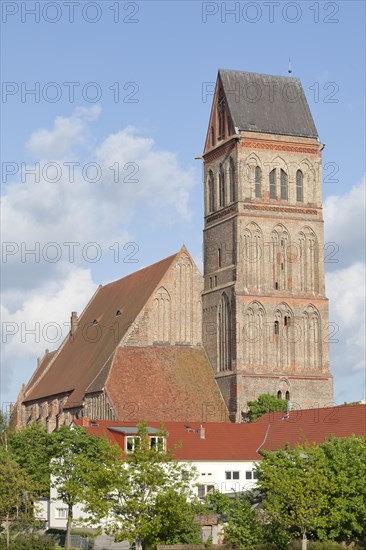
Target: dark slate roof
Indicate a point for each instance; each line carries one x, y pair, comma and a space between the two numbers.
268, 104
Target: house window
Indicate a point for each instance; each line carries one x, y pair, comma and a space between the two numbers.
299, 186
284, 186
204, 490
272, 184
232, 475
211, 192
232, 181
279, 394
276, 327
131, 443
61, 513
157, 442
249, 475
258, 182
255, 474
222, 194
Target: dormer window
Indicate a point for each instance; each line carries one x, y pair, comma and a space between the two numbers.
156, 442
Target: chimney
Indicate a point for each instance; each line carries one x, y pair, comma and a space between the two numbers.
73, 322
202, 432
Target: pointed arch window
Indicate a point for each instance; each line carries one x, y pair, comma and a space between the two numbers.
222, 186
211, 192
232, 181
276, 327
258, 182
272, 184
299, 186
224, 334
284, 185
287, 396
221, 112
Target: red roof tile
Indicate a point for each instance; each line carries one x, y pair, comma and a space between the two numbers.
169, 383
80, 359
229, 441
223, 441
313, 425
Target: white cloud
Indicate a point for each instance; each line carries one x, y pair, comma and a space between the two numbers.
42, 320
344, 225
346, 292
67, 134
77, 210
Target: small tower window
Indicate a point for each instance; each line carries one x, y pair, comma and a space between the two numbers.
286, 321
272, 184
215, 280
211, 192
232, 181
284, 186
210, 282
219, 257
299, 186
276, 285
212, 136
222, 186
276, 327
287, 396
279, 394
258, 182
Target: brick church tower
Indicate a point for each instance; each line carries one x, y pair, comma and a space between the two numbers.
265, 314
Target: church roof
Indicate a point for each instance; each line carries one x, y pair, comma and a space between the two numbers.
268, 104
83, 359
165, 382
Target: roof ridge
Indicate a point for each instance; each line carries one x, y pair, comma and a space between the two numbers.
142, 269
260, 74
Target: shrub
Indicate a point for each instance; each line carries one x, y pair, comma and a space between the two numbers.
28, 542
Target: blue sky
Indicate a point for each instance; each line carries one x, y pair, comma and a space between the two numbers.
162, 62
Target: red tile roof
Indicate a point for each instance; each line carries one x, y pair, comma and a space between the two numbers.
313, 425
230, 442
81, 358
168, 382
223, 441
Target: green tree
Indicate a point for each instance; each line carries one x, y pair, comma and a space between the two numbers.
346, 489
242, 527
79, 460
17, 496
294, 486
33, 449
145, 495
264, 404
4, 429
317, 490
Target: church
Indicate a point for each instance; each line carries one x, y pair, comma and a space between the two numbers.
167, 343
